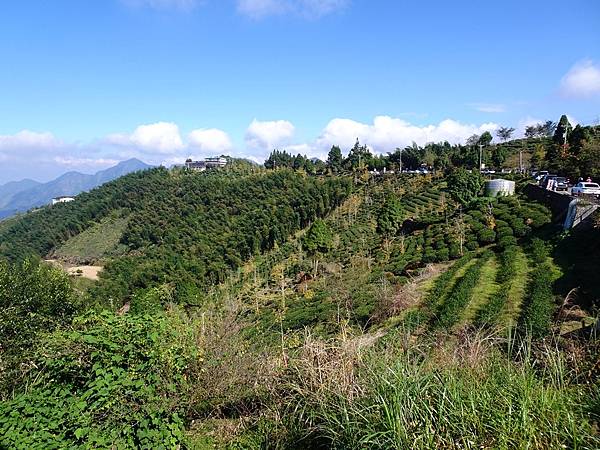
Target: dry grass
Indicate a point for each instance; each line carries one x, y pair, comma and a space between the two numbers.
410, 294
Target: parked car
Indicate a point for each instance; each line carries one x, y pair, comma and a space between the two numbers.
545, 179
541, 174
561, 184
585, 188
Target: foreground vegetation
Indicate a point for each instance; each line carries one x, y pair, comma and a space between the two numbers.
260, 308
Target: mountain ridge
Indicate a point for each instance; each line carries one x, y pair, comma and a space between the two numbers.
23, 195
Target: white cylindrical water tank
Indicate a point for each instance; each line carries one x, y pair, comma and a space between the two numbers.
494, 188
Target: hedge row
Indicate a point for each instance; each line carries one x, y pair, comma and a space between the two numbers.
449, 311
538, 310
442, 282
489, 314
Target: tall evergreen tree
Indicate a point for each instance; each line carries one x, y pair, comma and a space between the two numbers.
563, 129
335, 159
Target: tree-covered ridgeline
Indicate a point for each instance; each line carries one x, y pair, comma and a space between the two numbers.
556, 146
186, 228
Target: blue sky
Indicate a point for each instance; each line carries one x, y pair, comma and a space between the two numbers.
84, 84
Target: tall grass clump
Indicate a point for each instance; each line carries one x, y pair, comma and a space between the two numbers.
401, 401
450, 309
489, 314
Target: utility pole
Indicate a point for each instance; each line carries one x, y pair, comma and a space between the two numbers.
521, 159
400, 160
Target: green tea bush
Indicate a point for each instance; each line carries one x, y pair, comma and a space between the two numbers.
504, 231
490, 312
539, 307
443, 254
477, 227
506, 241
539, 251
442, 282
449, 311
472, 245
454, 251
486, 236
519, 228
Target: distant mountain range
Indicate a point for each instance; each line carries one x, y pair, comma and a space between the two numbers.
20, 196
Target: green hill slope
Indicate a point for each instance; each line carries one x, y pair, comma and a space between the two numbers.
182, 227
251, 308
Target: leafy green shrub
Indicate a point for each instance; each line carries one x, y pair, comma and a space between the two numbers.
390, 216
472, 245
477, 215
536, 316
454, 251
486, 236
489, 313
113, 381
449, 311
477, 226
506, 241
34, 298
443, 281
539, 251
442, 254
519, 228
504, 231
439, 243
429, 255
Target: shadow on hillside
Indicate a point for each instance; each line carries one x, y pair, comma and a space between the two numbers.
578, 256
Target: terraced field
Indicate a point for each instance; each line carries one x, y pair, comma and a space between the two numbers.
487, 288
431, 200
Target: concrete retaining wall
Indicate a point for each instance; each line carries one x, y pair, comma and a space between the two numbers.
558, 203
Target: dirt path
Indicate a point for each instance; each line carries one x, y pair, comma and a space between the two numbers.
89, 272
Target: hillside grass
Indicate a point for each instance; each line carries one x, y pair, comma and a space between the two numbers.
98, 242
483, 291
518, 290
340, 396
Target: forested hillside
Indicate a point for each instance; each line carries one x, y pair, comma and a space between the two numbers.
286, 307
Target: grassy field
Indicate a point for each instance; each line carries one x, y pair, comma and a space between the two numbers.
483, 291
517, 291
95, 243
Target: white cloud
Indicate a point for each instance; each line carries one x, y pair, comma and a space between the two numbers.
582, 80
89, 162
257, 9
489, 107
28, 139
210, 140
160, 137
162, 143
387, 133
42, 156
268, 135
